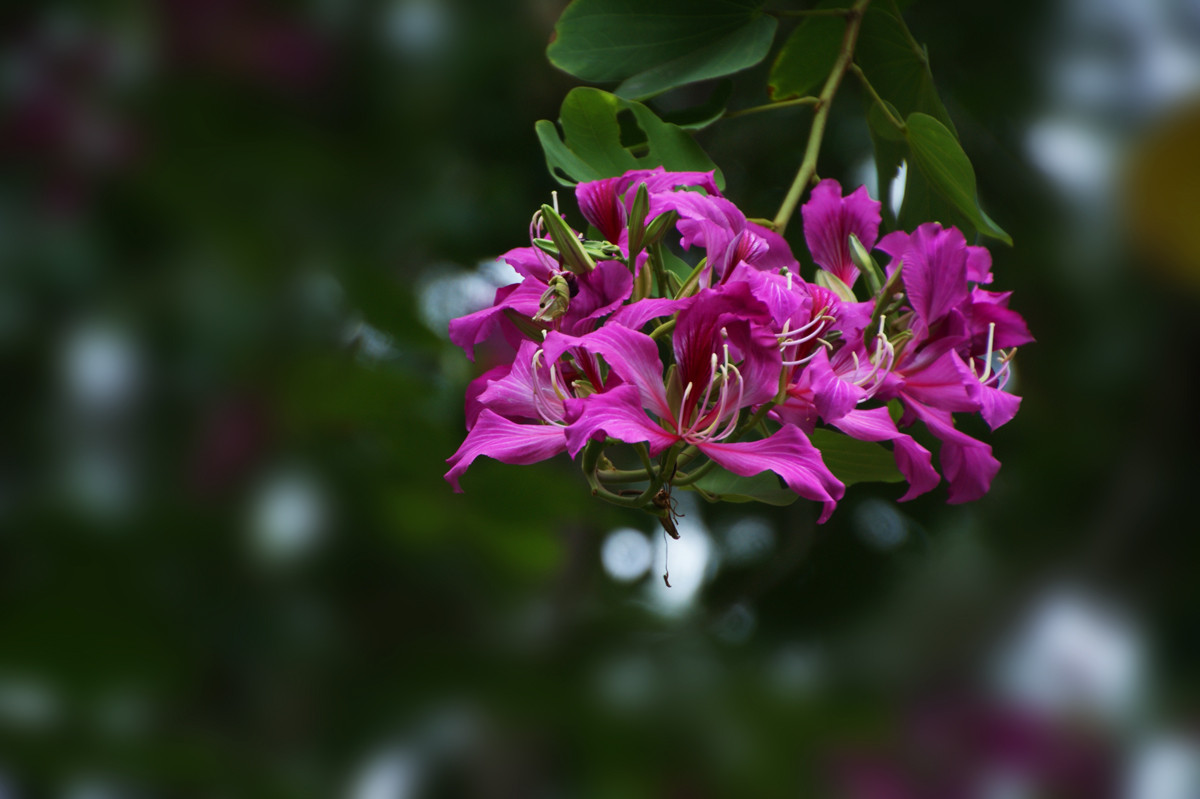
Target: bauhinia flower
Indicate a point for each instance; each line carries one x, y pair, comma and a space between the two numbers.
755, 357
726, 362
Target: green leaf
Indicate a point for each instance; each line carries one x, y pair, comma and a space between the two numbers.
807, 57
592, 147
941, 160
897, 66
922, 203
853, 461
765, 487
657, 46
701, 116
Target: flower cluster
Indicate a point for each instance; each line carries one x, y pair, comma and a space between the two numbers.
731, 364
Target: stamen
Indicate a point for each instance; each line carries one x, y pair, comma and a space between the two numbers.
682, 404
800, 361
554, 383
540, 403
554, 201
789, 280
699, 410
726, 406
987, 359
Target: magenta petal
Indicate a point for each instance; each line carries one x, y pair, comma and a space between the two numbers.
631, 355
778, 255
830, 218
914, 461
478, 386
518, 395
935, 271
790, 455
601, 291
637, 314
785, 303
599, 204
660, 181
979, 265
969, 468
467, 331
998, 406
946, 383
531, 262
505, 441
968, 464
618, 414
834, 397
989, 307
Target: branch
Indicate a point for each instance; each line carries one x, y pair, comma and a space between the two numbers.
808, 167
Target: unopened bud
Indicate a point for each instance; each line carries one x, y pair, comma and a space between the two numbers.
834, 283
584, 388
570, 249
637, 220
866, 265
661, 224
602, 250
555, 300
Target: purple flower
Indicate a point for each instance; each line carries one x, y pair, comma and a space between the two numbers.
598, 294
830, 218
517, 415
726, 362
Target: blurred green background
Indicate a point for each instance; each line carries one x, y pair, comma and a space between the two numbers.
231, 234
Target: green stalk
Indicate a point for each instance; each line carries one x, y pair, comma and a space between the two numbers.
808, 167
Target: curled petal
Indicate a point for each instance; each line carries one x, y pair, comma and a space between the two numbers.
790, 455
618, 414
631, 355
467, 331
914, 461
506, 441
968, 464
946, 383
519, 394
834, 397
998, 407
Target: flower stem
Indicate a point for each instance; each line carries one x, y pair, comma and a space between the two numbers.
772, 106
808, 166
812, 12
883, 106
663, 329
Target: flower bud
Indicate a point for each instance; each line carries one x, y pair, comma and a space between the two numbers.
659, 226
555, 300
832, 282
637, 220
870, 270
570, 250
602, 250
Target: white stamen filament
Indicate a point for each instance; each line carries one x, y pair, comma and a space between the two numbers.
699, 411
554, 383
726, 406
987, 359
540, 403
682, 404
